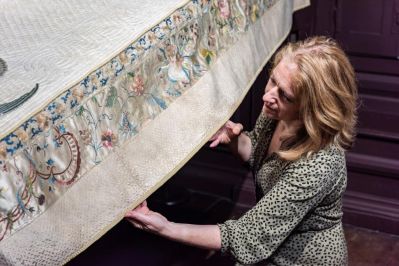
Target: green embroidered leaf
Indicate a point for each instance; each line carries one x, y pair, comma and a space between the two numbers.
94, 99
131, 74
111, 97
80, 111
208, 59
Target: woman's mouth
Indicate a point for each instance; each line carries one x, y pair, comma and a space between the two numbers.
269, 109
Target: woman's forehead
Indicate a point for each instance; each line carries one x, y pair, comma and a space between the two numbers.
283, 74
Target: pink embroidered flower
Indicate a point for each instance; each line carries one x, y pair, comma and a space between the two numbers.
108, 139
224, 8
138, 85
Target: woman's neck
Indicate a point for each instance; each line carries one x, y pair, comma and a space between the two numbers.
289, 128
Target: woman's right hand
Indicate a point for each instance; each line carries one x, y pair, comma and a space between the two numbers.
143, 218
226, 134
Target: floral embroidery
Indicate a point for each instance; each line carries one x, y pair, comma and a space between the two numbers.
224, 8
51, 150
108, 139
29, 197
137, 86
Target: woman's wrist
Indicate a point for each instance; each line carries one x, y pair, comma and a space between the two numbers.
203, 236
176, 232
169, 230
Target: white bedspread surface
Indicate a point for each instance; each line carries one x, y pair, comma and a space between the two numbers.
57, 43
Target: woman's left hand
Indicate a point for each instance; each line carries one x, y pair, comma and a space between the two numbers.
143, 218
226, 134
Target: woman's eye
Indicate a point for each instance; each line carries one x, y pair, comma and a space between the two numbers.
284, 96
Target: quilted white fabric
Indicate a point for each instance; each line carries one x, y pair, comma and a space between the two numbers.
57, 43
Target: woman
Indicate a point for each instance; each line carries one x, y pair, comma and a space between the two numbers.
296, 152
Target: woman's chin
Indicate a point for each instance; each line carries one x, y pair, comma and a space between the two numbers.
270, 115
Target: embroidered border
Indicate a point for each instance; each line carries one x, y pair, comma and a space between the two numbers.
53, 149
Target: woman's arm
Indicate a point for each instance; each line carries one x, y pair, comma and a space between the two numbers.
241, 147
202, 236
230, 134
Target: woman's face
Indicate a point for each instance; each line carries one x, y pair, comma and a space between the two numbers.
279, 100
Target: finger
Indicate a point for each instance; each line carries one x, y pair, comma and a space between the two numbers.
135, 223
141, 207
128, 214
138, 207
140, 217
215, 143
229, 124
141, 227
237, 129
135, 213
216, 135
213, 137
138, 224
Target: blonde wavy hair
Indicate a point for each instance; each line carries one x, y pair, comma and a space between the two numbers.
325, 86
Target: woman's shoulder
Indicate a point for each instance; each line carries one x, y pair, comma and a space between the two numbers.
330, 154
326, 163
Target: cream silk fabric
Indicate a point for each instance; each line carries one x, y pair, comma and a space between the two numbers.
110, 125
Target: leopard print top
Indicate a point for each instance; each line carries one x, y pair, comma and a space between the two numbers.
297, 220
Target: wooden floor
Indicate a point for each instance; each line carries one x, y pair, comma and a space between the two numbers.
367, 247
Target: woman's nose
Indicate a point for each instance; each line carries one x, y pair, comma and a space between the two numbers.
270, 95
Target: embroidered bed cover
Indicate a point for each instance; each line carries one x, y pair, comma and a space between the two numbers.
127, 92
